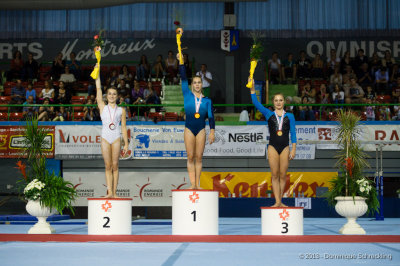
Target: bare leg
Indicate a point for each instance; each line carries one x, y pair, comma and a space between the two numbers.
283, 166
200, 144
273, 159
116, 148
106, 151
190, 144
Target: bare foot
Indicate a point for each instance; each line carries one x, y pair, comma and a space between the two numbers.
277, 204
283, 205
108, 196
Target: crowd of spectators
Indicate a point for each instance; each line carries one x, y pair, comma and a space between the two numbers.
346, 80
32, 83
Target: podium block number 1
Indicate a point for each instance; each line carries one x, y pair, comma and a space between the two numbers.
194, 215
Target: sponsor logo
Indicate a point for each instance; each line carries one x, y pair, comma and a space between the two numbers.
18, 142
142, 141
194, 198
84, 139
106, 206
324, 133
3, 140
83, 192
284, 215
146, 192
245, 137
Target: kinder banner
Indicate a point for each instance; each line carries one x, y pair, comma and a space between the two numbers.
255, 184
146, 188
12, 142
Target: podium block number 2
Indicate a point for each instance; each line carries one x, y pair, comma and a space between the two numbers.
285, 228
194, 215
107, 221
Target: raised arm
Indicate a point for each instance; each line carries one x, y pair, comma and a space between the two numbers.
265, 111
99, 95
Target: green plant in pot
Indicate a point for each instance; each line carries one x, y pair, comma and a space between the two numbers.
45, 192
351, 189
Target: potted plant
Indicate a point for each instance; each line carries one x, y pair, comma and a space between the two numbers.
351, 192
45, 192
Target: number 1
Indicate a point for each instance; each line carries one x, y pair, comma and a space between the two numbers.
194, 215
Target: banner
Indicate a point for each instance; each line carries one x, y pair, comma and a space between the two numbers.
327, 133
158, 142
255, 184
145, 188
237, 141
305, 151
81, 142
12, 142
229, 40
383, 133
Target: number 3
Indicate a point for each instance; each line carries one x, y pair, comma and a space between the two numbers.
285, 227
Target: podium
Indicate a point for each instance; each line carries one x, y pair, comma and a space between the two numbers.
109, 216
194, 212
282, 221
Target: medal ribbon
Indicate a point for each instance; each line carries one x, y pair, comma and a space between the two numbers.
112, 119
198, 102
280, 122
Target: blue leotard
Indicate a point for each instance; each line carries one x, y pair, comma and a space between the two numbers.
289, 125
206, 109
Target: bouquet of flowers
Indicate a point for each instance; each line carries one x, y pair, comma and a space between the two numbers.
255, 55
33, 189
179, 32
98, 44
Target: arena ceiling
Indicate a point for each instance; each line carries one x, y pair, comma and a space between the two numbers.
80, 4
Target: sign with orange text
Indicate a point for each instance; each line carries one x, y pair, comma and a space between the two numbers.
255, 184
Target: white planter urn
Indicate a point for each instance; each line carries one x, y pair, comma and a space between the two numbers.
41, 213
351, 208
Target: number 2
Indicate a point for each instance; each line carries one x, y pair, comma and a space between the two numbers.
194, 215
106, 224
285, 227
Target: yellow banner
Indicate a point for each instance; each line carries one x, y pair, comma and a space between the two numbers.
255, 184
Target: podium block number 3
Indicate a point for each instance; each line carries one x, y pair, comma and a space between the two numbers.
194, 215
106, 223
285, 228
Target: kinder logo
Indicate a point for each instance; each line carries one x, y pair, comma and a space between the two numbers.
106, 206
245, 137
194, 198
324, 133
284, 215
68, 138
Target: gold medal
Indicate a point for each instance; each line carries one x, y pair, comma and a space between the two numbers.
279, 133
197, 115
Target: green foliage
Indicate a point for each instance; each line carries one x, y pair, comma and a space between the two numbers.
351, 161
56, 193
256, 49
98, 39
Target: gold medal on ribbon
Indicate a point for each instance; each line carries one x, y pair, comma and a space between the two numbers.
279, 133
197, 115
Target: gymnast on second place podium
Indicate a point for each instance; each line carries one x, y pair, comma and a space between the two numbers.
280, 124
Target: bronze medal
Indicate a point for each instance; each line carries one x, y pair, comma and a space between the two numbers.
279, 133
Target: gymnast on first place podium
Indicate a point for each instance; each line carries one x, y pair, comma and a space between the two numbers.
280, 124
197, 109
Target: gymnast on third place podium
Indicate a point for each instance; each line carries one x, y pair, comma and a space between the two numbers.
280, 124
197, 109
